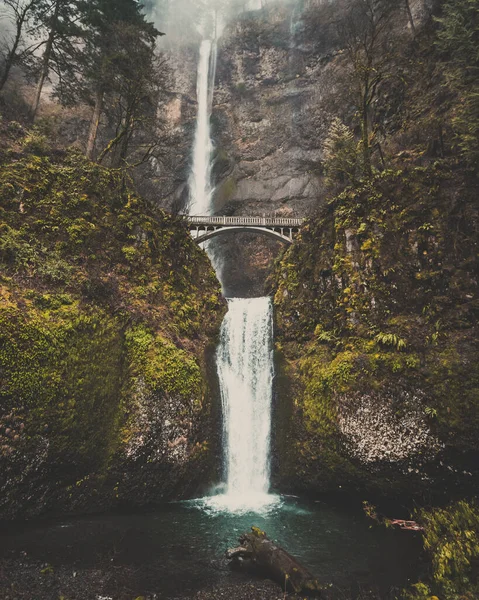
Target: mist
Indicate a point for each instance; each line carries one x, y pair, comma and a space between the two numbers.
187, 21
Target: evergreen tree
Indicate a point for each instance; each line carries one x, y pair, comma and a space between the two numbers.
57, 21
132, 103
115, 69
340, 153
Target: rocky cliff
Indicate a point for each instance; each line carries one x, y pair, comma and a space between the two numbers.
377, 377
280, 81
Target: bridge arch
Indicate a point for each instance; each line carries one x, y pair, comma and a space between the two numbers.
279, 228
203, 235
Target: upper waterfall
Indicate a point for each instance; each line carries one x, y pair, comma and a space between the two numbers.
201, 189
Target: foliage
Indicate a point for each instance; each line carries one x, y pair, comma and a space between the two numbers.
365, 33
55, 28
100, 52
458, 40
15, 50
117, 72
73, 223
164, 368
452, 541
378, 294
391, 339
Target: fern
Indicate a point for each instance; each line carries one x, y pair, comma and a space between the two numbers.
327, 337
391, 339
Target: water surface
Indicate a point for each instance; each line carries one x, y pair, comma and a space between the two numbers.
179, 550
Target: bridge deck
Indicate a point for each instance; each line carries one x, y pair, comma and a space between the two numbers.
246, 221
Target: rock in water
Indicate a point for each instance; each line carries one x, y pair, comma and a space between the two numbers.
275, 561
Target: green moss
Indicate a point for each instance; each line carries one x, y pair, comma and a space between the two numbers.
72, 224
61, 368
162, 367
452, 376
227, 189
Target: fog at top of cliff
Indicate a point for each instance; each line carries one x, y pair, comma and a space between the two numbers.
182, 19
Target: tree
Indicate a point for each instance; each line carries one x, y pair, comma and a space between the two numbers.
59, 20
340, 153
364, 34
132, 103
114, 70
458, 40
19, 12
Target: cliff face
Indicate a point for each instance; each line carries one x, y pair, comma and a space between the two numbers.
269, 113
108, 312
278, 87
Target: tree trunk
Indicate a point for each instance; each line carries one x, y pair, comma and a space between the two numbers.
46, 60
111, 145
9, 63
21, 18
125, 143
365, 142
410, 17
276, 562
95, 123
381, 154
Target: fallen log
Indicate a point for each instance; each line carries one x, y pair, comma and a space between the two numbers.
372, 513
275, 562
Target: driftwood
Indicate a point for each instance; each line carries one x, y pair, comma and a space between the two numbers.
275, 562
407, 525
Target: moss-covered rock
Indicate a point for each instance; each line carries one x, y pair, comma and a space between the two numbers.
376, 314
107, 312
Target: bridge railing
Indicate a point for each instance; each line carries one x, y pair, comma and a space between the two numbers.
258, 221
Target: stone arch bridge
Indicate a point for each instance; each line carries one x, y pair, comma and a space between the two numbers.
279, 228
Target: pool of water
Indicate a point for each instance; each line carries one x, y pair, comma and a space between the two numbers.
179, 550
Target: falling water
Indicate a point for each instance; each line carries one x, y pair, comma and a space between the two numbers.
201, 189
245, 369
244, 357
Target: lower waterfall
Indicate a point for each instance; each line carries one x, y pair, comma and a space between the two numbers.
245, 370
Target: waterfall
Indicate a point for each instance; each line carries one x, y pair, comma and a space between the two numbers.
201, 190
245, 369
244, 356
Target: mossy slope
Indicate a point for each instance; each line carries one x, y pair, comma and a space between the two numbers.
377, 317
107, 309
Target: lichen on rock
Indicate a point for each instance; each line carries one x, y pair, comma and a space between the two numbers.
391, 428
